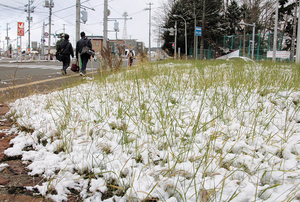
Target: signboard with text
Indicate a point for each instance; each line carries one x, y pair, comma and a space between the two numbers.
198, 31
21, 28
279, 54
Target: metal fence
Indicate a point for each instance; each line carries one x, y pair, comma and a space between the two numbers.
262, 44
207, 53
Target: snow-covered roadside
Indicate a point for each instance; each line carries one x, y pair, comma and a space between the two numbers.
164, 139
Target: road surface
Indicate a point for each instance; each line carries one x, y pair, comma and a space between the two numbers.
18, 79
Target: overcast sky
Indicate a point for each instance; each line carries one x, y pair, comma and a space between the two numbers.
12, 11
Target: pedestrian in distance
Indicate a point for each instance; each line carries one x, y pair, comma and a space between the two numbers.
131, 57
67, 48
83, 42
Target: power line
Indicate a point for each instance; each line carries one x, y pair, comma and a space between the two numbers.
17, 2
64, 19
102, 4
137, 12
115, 10
6, 6
64, 9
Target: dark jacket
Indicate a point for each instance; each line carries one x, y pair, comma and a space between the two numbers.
67, 46
82, 43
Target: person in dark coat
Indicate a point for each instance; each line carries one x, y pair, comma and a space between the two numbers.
84, 57
67, 51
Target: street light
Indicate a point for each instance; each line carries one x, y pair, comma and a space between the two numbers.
253, 35
184, 34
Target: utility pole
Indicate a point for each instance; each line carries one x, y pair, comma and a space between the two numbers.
77, 20
29, 18
149, 4
64, 28
49, 5
106, 14
7, 38
275, 33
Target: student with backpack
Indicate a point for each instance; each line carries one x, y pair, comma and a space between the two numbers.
66, 49
82, 44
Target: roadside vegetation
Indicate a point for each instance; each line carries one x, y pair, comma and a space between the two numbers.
170, 131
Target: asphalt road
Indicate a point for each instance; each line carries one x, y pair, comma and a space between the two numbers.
22, 78
19, 79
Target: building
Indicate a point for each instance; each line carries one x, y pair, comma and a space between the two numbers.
128, 44
97, 43
140, 48
123, 44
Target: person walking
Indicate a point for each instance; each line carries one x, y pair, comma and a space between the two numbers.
67, 48
131, 57
84, 57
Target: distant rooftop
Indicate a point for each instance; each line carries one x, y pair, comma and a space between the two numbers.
94, 37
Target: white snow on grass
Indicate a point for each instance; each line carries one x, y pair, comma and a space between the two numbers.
180, 132
3, 166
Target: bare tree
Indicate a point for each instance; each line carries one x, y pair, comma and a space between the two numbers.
160, 17
267, 16
261, 11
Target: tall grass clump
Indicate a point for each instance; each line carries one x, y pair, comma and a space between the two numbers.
170, 131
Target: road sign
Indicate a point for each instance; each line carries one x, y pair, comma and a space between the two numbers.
20, 28
242, 24
198, 31
46, 34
